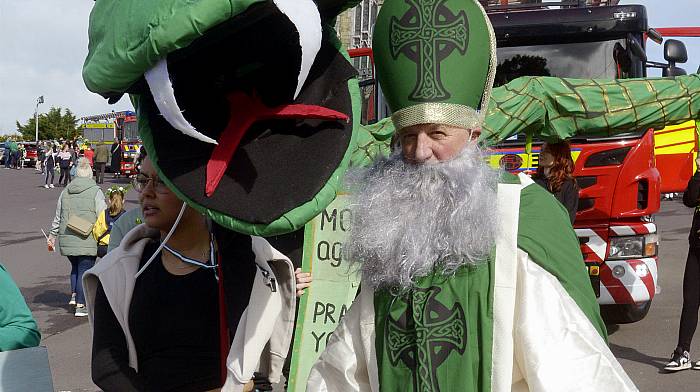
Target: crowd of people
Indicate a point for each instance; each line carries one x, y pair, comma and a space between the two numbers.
14, 155
59, 158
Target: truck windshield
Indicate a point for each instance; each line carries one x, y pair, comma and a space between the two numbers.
587, 60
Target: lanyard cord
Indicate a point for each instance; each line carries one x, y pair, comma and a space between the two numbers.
194, 262
167, 237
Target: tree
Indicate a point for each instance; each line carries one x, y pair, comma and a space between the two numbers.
520, 65
52, 125
15, 136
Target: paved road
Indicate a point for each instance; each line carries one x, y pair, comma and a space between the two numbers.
26, 207
644, 347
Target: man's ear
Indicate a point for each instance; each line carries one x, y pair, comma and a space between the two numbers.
474, 134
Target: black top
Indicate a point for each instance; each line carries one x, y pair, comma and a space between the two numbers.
174, 322
691, 198
51, 160
567, 195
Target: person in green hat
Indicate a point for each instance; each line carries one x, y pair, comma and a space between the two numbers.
248, 111
472, 279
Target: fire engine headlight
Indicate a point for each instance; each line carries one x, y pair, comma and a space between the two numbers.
634, 246
626, 247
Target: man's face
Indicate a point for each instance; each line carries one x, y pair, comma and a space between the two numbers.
431, 143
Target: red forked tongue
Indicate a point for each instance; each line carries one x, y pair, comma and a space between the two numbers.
246, 111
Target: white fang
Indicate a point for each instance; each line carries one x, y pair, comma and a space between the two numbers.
306, 18
158, 79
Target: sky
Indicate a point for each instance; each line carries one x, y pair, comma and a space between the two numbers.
43, 44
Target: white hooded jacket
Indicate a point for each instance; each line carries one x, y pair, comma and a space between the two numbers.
264, 332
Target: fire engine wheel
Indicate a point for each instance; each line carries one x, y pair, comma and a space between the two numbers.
624, 314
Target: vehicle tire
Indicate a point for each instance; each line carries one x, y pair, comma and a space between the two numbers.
624, 314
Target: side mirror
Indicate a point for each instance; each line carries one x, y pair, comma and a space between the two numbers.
673, 71
675, 52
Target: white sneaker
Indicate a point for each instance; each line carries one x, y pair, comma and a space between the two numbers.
80, 310
46, 186
50, 185
679, 361
72, 299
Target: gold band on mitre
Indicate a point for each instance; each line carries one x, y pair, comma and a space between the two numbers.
438, 113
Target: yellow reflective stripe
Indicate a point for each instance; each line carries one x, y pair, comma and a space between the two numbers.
675, 139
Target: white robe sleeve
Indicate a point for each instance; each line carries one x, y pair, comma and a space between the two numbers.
348, 363
556, 348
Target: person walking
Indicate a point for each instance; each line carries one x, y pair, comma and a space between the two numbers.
555, 173
680, 358
40, 157
49, 166
12, 147
101, 159
105, 220
89, 154
74, 155
8, 154
21, 155
116, 153
76, 212
64, 163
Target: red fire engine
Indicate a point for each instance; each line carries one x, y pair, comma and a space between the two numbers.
120, 131
621, 178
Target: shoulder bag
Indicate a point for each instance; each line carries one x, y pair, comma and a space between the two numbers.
77, 224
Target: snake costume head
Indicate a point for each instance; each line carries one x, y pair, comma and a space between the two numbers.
248, 108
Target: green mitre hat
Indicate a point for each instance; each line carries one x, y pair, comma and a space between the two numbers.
435, 60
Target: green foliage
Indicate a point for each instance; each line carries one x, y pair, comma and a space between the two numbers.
57, 123
520, 65
15, 136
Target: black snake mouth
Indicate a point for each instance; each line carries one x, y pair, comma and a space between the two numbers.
279, 164
222, 58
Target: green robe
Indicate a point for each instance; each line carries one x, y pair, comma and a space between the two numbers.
454, 333
445, 338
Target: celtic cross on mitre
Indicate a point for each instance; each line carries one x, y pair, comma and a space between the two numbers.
425, 336
427, 34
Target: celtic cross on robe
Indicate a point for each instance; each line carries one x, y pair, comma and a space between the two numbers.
427, 34
425, 336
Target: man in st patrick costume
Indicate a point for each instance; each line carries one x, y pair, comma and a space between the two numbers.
472, 279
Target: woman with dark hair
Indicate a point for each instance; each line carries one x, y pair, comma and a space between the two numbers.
49, 165
173, 298
65, 161
555, 173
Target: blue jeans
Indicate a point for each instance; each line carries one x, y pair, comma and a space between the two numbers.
79, 264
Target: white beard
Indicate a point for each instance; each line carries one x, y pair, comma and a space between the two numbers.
410, 220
